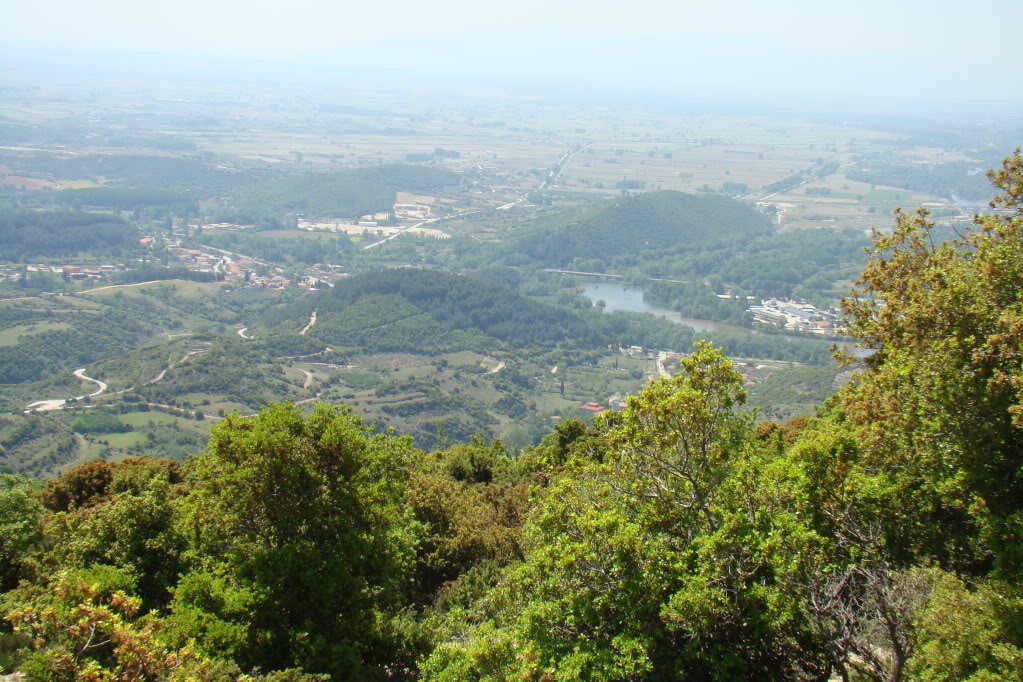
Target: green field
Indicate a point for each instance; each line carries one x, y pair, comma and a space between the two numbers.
10, 336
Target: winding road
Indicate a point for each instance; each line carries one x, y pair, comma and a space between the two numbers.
80, 373
60, 403
661, 371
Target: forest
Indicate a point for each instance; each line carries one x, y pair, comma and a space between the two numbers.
645, 223
52, 234
958, 180
87, 338
680, 538
416, 310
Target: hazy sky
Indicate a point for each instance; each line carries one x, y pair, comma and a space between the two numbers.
944, 48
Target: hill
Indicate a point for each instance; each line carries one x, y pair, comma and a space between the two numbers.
345, 194
26, 235
227, 370
421, 311
651, 222
796, 391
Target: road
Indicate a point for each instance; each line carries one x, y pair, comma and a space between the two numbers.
121, 286
810, 179
163, 372
312, 321
497, 369
402, 230
661, 357
241, 333
60, 403
275, 266
511, 204
80, 373
563, 162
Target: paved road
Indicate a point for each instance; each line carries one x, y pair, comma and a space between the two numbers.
80, 373
402, 230
563, 162
61, 403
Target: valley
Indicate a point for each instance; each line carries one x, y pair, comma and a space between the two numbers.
196, 241
554, 342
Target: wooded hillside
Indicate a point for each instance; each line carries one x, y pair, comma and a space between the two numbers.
644, 223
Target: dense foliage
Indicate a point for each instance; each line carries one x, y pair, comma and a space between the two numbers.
428, 304
90, 338
675, 539
121, 198
28, 235
417, 310
129, 170
228, 368
644, 223
957, 180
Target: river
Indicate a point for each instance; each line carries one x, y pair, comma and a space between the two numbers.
630, 299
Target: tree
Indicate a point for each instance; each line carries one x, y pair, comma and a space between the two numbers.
20, 518
634, 568
677, 436
940, 410
304, 515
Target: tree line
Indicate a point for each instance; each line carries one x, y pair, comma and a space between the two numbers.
29, 235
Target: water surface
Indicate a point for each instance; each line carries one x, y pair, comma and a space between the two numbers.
630, 299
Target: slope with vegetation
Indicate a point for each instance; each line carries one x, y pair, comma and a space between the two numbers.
433, 305
677, 539
34, 235
647, 222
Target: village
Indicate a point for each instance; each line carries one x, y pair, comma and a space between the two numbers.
798, 316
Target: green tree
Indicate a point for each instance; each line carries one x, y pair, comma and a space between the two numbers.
20, 526
304, 515
636, 564
940, 410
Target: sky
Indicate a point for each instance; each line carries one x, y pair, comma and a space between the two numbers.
868, 50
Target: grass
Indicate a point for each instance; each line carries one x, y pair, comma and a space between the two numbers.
184, 288
10, 336
142, 419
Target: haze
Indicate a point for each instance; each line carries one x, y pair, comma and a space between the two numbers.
868, 56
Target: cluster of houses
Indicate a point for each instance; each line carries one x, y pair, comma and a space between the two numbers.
592, 409
196, 260
68, 272
801, 316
